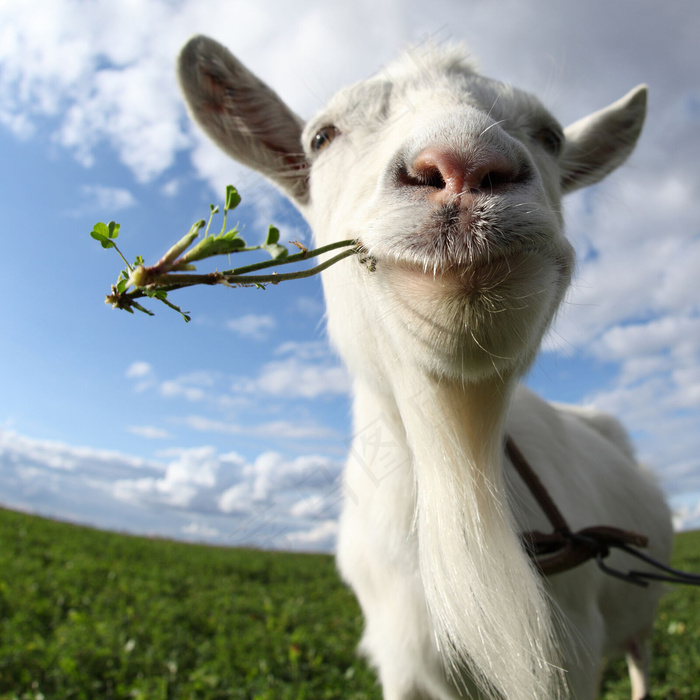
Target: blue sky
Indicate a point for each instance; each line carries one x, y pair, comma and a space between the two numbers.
233, 428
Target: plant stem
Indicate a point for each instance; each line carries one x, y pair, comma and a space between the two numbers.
282, 277
131, 269
297, 257
172, 281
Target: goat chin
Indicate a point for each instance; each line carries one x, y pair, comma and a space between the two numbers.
465, 323
470, 322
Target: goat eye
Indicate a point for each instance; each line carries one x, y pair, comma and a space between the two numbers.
551, 139
323, 137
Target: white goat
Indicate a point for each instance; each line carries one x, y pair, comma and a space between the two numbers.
452, 183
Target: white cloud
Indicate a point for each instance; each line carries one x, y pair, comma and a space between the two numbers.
19, 124
272, 495
308, 350
643, 264
667, 347
320, 538
52, 455
138, 370
236, 499
149, 432
308, 371
105, 72
273, 479
293, 378
142, 375
108, 198
200, 531
663, 416
147, 135
171, 188
315, 507
100, 69
253, 326
656, 391
173, 388
194, 386
686, 513
198, 493
281, 429
188, 480
199, 386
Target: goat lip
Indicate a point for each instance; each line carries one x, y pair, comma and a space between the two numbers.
474, 276
451, 266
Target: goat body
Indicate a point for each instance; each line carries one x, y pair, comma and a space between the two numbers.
452, 183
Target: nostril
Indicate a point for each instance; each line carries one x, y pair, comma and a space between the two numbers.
438, 168
450, 174
497, 179
421, 177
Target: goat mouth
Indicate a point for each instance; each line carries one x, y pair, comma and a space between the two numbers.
471, 260
475, 247
478, 274
454, 236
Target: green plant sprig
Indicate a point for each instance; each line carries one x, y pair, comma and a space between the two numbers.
175, 269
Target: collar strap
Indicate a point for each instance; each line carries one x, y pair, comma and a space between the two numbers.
562, 549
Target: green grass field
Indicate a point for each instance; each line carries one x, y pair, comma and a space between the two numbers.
92, 615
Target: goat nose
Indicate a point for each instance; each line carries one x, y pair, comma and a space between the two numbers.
452, 175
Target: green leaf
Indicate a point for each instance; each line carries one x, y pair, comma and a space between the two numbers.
223, 244
182, 245
106, 243
100, 232
113, 229
273, 235
276, 251
233, 199
104, 233
140, 308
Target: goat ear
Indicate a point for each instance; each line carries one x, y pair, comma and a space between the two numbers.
600, 142
243, 115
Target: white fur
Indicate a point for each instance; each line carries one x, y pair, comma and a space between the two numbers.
452, 183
